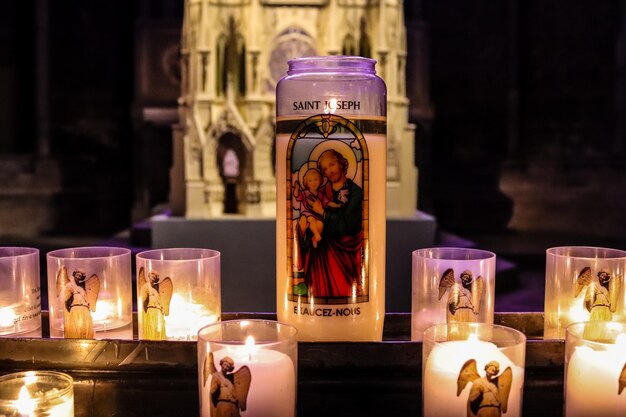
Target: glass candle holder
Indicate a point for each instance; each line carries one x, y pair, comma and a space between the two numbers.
451, 285
455, 373
178, 292
37, 393
20, 293
583, 284
248, 365
595, 369
90, 293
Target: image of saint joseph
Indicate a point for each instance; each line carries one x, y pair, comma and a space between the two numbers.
333, 266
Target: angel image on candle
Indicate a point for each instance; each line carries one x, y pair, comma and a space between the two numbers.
489, 395
155, 295
601, 296
79, 296
600, 299
464, 296
228, 389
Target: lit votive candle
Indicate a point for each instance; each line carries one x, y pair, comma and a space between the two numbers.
583, 283
90, 293
484, 371
178, 292
20, 293
37, 393
595, 370
451, 285
247, 367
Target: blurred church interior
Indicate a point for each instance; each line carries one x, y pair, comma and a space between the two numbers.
519, 107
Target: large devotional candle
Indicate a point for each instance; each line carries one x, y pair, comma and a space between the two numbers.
37, 393
247, 367
485, 371
331, 185
595, 370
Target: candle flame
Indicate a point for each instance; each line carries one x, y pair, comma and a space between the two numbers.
249, 342
249, 347
472, 338
25, 403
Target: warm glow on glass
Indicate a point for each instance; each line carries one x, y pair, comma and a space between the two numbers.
331, 106
183, 308
7, 317
620, 341
25, 403
577, 313
186, 317
105, 312
30, 378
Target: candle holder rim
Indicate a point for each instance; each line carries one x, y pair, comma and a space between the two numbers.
292, 336
520, 337
56, 254
212, 254
28, 251
569, 331
554, 251
332, 58
61, 376
487, 254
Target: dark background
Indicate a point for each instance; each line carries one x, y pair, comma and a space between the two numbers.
521, 146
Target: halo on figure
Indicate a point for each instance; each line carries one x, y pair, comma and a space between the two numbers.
341, 147
304, 169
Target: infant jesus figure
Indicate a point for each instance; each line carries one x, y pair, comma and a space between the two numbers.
312, 182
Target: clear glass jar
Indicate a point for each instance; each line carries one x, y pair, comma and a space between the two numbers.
37, 393
20, 292
331, 188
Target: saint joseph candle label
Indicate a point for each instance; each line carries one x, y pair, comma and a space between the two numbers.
327, 210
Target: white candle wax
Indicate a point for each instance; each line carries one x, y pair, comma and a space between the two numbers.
186, 318
441, 373
592, 382
273, 382
354, 322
